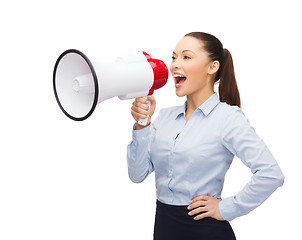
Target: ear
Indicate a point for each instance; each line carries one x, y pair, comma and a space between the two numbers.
213, 67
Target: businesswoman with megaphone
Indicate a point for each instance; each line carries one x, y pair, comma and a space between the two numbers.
191, 147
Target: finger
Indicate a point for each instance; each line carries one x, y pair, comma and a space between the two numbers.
137, 115
134, 114
152, 105
139, 110
141, 100
197, 204
151, 99
201, 197
141, 105
198, 210
201, 216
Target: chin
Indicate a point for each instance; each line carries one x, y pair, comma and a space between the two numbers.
180, 93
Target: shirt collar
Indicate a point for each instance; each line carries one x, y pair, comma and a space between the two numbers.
206, 107
180, 110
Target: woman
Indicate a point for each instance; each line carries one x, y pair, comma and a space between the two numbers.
191, 147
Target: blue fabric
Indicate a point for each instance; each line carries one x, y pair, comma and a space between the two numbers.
191, 159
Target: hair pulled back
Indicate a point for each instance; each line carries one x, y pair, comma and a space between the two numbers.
228, 89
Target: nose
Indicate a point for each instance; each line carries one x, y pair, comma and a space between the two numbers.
175, 64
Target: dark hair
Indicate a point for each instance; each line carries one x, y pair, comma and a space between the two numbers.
228, 89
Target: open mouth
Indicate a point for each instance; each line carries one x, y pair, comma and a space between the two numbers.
179, 79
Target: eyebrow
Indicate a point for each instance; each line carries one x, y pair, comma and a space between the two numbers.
185, 51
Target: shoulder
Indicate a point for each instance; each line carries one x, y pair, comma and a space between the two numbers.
227, 111
226, 108
229, 117
233, 120
171, 111
166, 115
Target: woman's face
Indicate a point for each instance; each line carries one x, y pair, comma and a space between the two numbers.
190, 67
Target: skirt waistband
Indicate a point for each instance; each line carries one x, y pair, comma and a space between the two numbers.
175, 210
173, 222
181, 214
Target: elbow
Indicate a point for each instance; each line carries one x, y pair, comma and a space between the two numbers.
271, 180
280, 180
137, 181
135, 178
274, 173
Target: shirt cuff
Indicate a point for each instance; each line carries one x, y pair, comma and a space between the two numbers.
138, 135
228, 209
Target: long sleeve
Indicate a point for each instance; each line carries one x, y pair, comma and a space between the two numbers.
138, 153
239, 137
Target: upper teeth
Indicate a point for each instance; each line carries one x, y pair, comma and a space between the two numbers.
178, 75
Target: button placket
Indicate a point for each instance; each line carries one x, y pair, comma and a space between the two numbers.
172, 159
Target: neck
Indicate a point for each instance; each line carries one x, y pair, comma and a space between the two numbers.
196, 99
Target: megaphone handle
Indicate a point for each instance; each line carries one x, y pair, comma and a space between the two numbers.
143, 122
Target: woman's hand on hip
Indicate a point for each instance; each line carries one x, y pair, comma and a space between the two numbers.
207, 207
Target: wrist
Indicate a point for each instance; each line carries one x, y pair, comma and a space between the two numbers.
139, 127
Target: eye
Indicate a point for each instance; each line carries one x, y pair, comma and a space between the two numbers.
187, 57
173, 58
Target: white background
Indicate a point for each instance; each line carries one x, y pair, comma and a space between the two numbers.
61, 179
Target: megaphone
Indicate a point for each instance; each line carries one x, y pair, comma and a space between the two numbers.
79, 85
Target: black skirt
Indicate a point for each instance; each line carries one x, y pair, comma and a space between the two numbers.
174, 223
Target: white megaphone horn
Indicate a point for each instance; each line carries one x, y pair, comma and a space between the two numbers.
80, 85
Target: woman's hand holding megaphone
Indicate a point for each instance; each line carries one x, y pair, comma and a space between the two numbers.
140, 110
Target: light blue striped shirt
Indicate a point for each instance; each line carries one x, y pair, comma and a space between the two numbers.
192, 159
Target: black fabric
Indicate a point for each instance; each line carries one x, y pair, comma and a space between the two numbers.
174, 223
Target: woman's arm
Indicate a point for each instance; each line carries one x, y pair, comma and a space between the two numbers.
138, 150
239, 137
